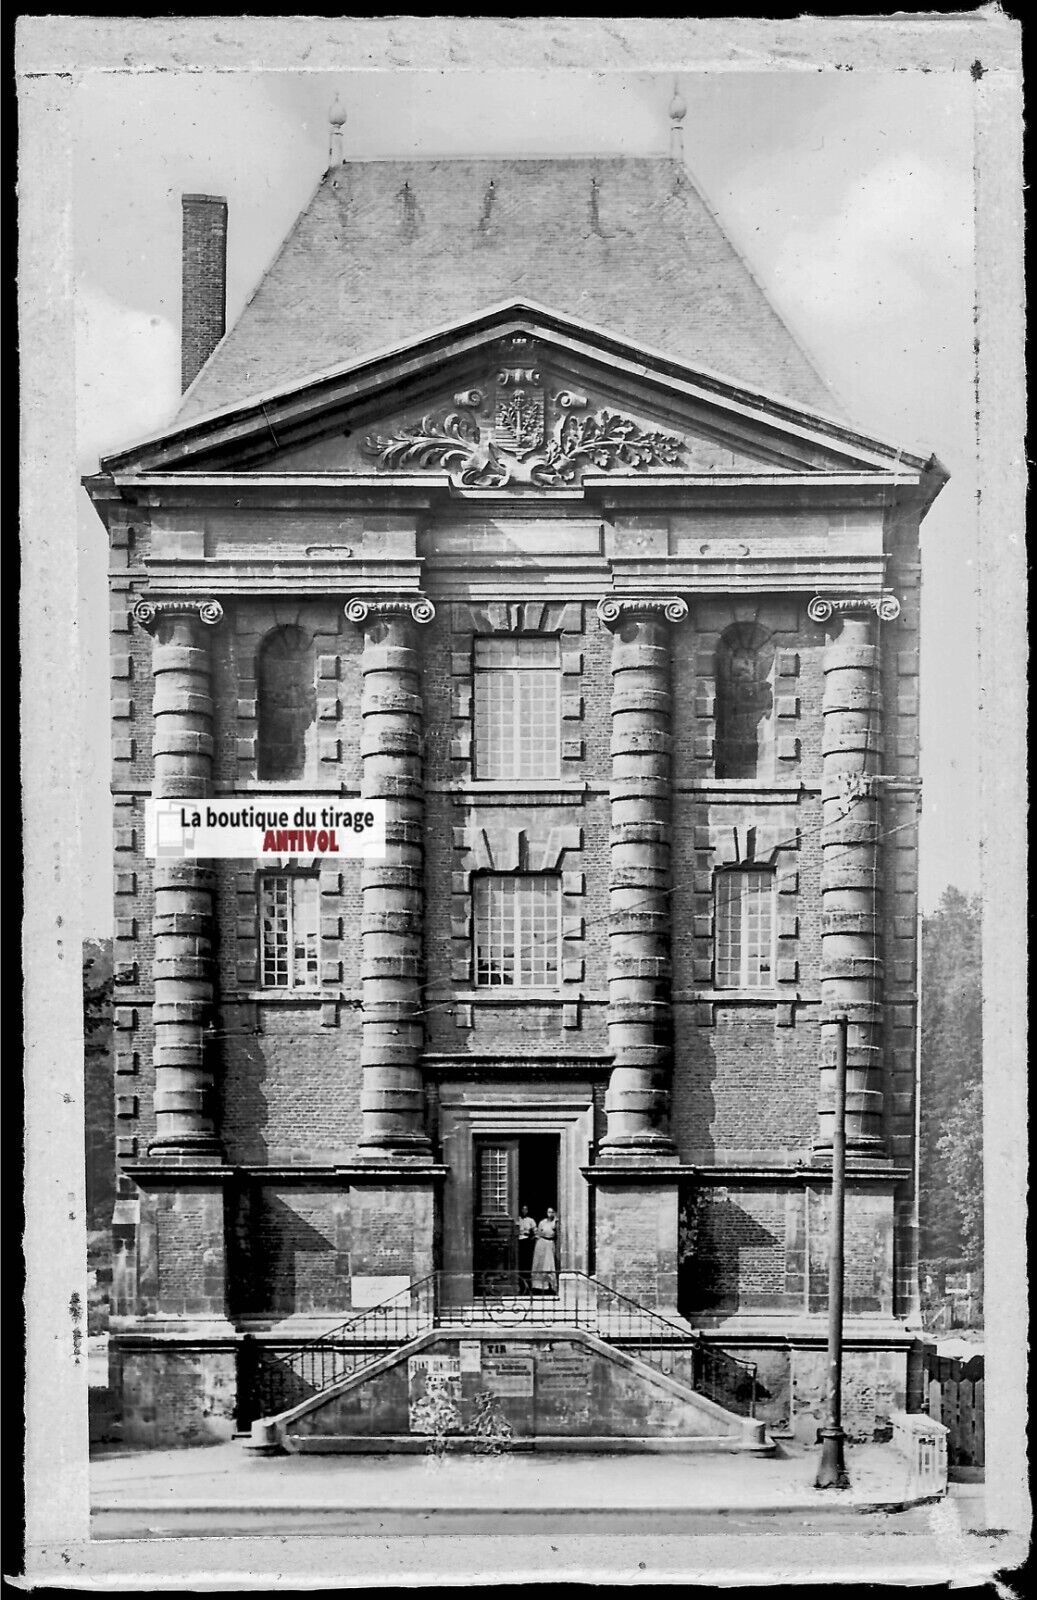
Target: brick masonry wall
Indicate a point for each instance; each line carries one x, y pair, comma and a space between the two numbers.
287, 1073
565, 833
745, 1085
291, 1249
176, 1397
764, 1247
744, 1075
712, 1073
291, 1090
204, 281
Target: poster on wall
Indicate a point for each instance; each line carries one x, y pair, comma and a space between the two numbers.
433, 1393
508, 1371
470, 1353
564, 1369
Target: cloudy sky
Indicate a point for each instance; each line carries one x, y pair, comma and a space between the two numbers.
850, 193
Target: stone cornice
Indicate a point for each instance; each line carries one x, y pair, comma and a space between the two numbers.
823, 607
613, 609
148, 613
659, 1171
171, 1172
419, 607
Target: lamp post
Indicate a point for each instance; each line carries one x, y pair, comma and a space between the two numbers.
831, 1470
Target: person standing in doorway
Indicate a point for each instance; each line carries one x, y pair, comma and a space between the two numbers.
527, 1229
545, 1263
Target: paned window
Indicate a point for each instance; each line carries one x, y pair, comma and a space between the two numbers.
493, 1181
744, 929
289, 931
518, 931
518, 707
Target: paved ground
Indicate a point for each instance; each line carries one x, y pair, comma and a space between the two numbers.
226, 1477
212, 1518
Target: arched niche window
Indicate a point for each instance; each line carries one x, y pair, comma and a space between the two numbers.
744, 702
287, 702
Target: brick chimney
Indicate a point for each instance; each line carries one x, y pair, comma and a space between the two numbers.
204, 303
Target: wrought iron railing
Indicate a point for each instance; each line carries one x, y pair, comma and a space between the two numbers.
276, 1380
725, 1378
585, 1302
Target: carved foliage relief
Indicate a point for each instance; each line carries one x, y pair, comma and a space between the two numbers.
521, 430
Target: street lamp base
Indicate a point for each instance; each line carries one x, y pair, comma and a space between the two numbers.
831, 1470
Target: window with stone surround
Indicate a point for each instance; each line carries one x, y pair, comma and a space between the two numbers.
744, 703
286, 696
744, 927
518, 706
289, 930
517, 924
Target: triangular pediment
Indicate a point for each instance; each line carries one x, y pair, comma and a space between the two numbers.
517, 399
527, 420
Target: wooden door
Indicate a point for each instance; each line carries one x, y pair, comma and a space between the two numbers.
496, 1216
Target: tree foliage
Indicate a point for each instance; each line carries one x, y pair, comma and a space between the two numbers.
951, 1154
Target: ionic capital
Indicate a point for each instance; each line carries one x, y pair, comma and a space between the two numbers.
148, 613
824, 606
612, 610
418, 607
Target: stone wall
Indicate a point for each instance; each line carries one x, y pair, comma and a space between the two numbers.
175, 1396
560, 1387
764, 1247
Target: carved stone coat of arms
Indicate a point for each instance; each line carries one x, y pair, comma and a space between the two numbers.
521, 431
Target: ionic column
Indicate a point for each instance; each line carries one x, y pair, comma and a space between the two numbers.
639, 1017
851, 879
182, 968
392, 1097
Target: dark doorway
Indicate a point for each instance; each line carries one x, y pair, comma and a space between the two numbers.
510, 1173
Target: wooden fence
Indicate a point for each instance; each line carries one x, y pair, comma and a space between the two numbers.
959, 1406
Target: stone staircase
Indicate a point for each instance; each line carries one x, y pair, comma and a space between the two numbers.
585, 1365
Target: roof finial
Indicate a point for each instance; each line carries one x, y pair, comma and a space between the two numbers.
678, 111
337, 119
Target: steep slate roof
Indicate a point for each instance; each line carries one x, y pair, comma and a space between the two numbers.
387, 250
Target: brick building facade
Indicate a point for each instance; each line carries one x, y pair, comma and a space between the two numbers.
510, 501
